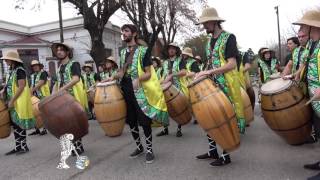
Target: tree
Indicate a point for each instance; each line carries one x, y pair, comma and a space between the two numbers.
96, 14
167, 17
198, 45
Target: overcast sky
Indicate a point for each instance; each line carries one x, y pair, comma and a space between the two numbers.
252, 21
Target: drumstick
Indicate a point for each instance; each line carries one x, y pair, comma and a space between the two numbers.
312, 99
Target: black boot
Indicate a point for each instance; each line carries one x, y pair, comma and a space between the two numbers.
149, 153
78, 147
212, 154
223, 160
179, 133
37, 131
135, 134
43, 132
23, 142
164, 132
314, 166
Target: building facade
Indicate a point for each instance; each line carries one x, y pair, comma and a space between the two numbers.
34, 42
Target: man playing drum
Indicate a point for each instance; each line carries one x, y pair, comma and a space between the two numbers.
222, 52
268, 65
69, 79
110, 67
40, 86
174, 71
311, 22
141, 90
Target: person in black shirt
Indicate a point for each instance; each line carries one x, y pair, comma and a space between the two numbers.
221, 39
17, 95
139, 110
69, 75
40, 86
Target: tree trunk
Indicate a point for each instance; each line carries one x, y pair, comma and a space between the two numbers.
98, 52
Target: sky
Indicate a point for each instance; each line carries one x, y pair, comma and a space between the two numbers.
252, 21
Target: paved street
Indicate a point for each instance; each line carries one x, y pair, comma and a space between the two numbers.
262, 156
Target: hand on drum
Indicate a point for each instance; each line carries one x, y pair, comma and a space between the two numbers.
136, 84
202, 73
290, 76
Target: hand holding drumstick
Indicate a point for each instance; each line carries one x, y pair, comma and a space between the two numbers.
315, 97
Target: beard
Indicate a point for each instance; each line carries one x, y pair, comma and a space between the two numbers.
127, 38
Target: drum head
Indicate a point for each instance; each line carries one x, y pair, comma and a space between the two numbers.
106, 84
275, 86
166, 86
275, 75
196, 81
51, 97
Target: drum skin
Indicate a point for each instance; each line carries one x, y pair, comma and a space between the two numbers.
35, 102
62, 113
286, 114
247, 108
177, 104
5, 128
214, 113
110, 108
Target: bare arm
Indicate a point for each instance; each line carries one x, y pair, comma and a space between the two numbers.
287, 69
74, 80
231, 64
38, 85
247, 66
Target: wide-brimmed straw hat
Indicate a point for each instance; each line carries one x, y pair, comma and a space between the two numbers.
113, 60
310, 18
35, 62
173, 45
12, 56
209, 14
87, 65
187, 51
54, 47
266, 50
197, 58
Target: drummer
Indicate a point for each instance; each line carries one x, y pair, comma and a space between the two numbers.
17, 94
311, 22
199, 61
174, 70
293, 46
90, 78
222, 52
156, 62
40, 86
141, 89
268, 65
110, 67
69, 79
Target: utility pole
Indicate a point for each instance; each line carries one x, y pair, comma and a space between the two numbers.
60, 21
279, 40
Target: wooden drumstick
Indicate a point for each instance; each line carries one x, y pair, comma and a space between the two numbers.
312, 99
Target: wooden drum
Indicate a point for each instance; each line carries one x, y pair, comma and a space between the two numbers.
177, 104
5, 128
110, 108
64, 114
214, 113
247, 108
284, 110
35, 102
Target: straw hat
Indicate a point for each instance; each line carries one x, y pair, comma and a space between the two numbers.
197, 58
112, 59
54, 47
35, 62
209, 14
13, 56
310, 18
87, 65
187, 51
266, 50
174, 45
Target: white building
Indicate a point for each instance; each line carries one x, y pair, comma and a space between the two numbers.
34, 42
